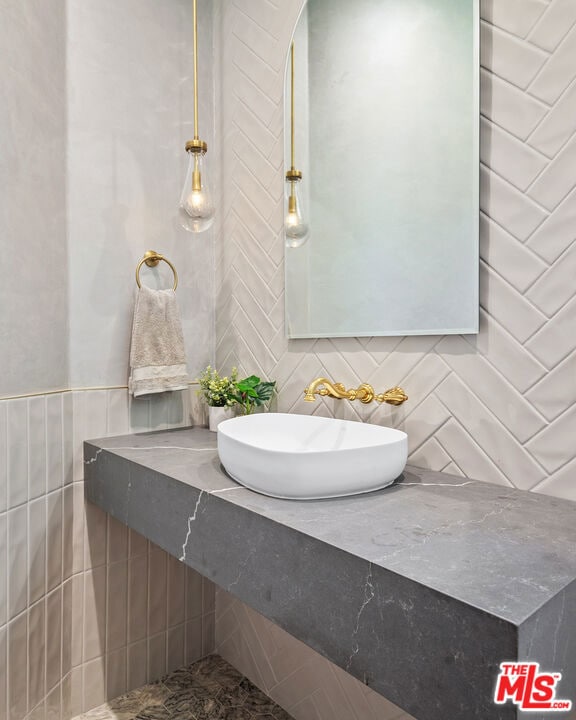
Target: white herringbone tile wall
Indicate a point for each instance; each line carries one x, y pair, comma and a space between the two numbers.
498, 407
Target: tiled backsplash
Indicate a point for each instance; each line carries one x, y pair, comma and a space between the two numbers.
88, 609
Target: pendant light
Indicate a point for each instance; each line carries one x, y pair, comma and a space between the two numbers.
295, 227
196, 204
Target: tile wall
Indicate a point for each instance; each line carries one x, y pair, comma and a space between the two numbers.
88, 609
500, 406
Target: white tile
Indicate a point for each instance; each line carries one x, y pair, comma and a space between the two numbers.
553, 25
508, 206
72, 623
137, 598
157, 607
507, 454
176, 592
72, 693
508, 307
17, 560
95, 417
423, 422
508, 56
508, 356
117, 422
257, 38
117, 606
561, 483
116, 673
555, 287
508, 157
3, 571
504, 401
36, 549
93, 684
516, 16
17, 658
36, 447
557, 73
430, 455
54, 703
78, 416
258, 71
558, 126
508, 256
557, 232
3, 459
68, 440
556, 339
557, 181
137, 665
3, 668
17, 440
53, 638
174, 648
94, 631
556, 392
549, 446
509, 107
156, 656
36, 654
54, 443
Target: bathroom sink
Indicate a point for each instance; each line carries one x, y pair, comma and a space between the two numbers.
302, 457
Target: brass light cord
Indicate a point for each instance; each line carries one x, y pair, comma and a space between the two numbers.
195, 24
292, 105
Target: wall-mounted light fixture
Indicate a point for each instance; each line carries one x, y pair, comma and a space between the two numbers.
196, 204
295, 227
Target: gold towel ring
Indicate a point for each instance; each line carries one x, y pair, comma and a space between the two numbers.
152, 258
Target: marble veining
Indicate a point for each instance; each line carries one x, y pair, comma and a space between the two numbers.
431, 582
210, 689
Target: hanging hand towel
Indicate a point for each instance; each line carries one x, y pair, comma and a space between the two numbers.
157, 358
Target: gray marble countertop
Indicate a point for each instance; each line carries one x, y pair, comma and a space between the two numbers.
470, 573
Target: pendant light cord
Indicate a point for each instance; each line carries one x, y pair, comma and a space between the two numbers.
195, 21
291, 104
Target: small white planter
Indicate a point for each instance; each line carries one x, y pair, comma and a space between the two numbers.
217, 414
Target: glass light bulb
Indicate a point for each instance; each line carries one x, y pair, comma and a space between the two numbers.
196, 205
295, 227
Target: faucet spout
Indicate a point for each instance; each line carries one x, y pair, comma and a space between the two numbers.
312, 389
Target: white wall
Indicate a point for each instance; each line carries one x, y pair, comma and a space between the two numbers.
130, 113
33, 284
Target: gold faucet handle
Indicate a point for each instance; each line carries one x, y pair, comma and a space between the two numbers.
394, 396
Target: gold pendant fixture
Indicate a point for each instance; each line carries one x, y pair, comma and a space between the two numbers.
295, 227
196, 205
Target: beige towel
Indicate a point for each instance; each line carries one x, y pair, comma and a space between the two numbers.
157, 358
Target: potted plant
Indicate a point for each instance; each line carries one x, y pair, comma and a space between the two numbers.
219, 393
253, 393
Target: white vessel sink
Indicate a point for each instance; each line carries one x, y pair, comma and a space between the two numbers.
302, 457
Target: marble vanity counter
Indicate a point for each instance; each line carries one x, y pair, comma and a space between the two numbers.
420, 589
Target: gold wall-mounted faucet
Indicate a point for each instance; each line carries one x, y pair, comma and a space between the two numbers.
365, 393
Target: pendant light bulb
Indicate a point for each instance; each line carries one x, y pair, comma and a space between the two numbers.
295, 228
197, 208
